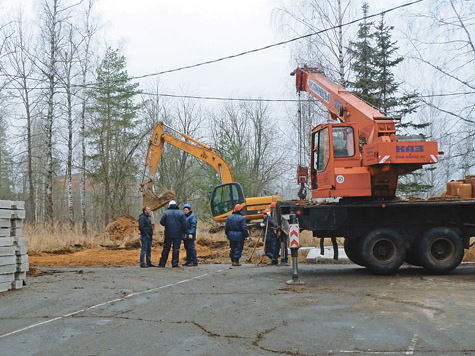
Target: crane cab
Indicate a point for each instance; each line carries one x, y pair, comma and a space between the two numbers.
336, 169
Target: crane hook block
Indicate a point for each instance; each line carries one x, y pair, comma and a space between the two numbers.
302, 174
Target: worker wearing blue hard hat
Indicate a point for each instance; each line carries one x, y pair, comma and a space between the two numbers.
190, 237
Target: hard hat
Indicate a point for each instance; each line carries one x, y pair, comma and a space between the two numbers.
266, 211
172, 202
187, 206
237, 207
273, 205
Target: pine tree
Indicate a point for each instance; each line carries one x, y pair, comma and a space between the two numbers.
111, 132
383, 62
363, 53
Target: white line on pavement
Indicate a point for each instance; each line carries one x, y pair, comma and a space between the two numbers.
106, 303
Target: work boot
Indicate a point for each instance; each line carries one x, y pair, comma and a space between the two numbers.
143, 266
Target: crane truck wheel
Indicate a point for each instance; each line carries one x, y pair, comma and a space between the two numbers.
351, 247
383, 251
440, 250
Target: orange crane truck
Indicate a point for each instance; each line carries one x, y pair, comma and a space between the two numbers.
223, 197
358, 158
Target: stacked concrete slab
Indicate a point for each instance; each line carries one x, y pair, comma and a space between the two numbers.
13, 250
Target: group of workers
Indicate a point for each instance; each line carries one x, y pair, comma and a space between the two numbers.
237, 232
181, 225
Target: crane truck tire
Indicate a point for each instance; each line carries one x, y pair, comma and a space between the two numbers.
383, 251
440, 250
352, 250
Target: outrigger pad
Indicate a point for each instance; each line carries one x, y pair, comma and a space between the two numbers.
154, 202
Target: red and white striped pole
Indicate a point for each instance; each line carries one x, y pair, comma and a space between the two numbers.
294, 242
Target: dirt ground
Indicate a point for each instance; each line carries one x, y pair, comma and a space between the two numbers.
118, 257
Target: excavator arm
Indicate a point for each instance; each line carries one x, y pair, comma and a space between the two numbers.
194, 148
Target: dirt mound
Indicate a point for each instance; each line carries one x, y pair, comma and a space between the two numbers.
123, 229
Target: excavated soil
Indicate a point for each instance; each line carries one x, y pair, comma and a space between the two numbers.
123, 227
107, 257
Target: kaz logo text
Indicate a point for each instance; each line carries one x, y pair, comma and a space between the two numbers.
409, 148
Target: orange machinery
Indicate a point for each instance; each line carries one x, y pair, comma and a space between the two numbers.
224, 196
357, 154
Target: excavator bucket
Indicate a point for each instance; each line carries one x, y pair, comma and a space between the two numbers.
154, 202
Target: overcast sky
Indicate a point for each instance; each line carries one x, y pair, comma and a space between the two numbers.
157, 35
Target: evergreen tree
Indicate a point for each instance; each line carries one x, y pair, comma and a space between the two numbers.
384, 60
363, 53
112, 133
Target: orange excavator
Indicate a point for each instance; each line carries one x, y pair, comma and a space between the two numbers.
358, 154
224, 196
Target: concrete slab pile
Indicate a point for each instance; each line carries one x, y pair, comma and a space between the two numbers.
13, 250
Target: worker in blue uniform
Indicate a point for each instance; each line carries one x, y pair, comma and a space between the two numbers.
174, 221
190, 237
236, 232
270, 237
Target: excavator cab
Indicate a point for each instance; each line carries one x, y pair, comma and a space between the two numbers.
224, 197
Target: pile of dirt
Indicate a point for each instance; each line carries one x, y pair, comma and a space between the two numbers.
124, 230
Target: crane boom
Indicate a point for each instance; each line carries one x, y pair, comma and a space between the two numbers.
346, 107
343, 165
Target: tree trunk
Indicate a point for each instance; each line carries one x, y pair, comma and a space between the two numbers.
70, 158
50, 115
107, 190
31, 189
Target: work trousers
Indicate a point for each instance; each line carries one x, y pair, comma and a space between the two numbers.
146, 250
191, 257
166, 250
271, 249
284, 253
236, 249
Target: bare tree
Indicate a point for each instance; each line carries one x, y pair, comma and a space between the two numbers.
51, 36
327, 50
443, 48
20, 69
87, 34
68, 59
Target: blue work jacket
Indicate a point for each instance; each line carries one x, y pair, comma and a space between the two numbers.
191, 223
175, 223
236, 228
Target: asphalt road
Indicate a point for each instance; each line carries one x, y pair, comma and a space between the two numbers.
217, 310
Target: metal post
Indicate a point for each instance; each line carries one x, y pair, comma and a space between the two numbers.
294, 250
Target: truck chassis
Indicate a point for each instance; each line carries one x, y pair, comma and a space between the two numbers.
382, 234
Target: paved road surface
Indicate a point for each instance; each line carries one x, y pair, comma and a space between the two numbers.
216, 310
